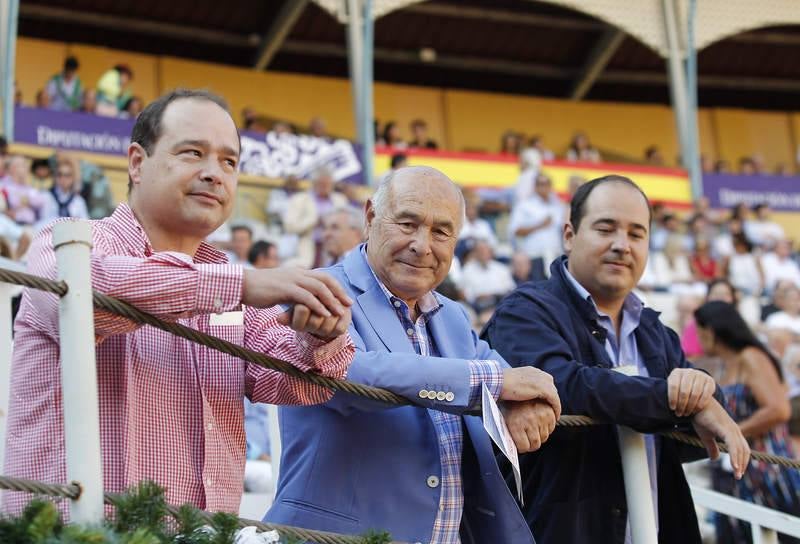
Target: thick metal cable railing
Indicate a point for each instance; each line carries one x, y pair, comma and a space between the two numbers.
72, 491
124, 309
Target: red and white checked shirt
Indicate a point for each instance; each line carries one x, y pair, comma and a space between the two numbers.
171, 410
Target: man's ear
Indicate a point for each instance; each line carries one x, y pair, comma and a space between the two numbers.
369, 215
568, 237
136, 156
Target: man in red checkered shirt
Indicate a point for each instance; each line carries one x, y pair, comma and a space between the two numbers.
171, 411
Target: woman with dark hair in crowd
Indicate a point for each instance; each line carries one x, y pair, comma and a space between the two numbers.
718, 289
391, 136
756, 397
510, 142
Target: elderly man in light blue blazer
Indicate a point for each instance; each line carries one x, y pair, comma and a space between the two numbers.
425, 472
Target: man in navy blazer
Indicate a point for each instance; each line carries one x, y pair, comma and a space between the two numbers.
577, 326
425, 472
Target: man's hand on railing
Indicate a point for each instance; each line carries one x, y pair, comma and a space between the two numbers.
689, 391
714, 422
529, 383
530, 423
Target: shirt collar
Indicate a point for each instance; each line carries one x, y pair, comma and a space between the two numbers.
129, 229
427, 303
632, 307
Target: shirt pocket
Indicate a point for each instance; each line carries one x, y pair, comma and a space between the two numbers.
223, 374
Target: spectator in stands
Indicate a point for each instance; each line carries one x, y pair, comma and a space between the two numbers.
747, 167
780, 293
722, 167
15, 235
172, 412
113, 90
779, 265
789, 315
743, 268
475, 227
64, 198
282, 127
241, 242
668, 226
318, 127
671, 267
784, 170
24, 202
537, 223
64, 90
3, 155
42, 100
761, 230
17, 95
573, 184
419, 136
510, 143
89, 101
132, 108
784, 345
483, 279
391, 137
520, 267
580, 324
278, 199
258, 475
582, 150
723, 242
303, 212
704, 266
755, 396
439, 464
706, 164
263, 255
342, 230
41, 174
537, 142
530, 165
653, 156
718, 289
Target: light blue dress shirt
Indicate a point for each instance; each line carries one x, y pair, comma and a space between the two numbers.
623, 351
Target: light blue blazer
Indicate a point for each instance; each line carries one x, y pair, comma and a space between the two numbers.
352, 464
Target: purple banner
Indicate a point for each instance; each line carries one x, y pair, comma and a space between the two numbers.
727, 190
272, 155
72, 131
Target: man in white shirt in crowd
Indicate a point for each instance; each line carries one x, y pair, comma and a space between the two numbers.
483, 277
474, 226
779, 265
536, 223
788, 317
760, 230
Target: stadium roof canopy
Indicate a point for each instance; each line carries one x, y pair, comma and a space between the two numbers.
610, 50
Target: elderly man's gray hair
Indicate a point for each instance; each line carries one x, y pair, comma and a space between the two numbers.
321, 172
380, 198
355, 217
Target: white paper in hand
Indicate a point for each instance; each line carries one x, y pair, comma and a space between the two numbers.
495, 425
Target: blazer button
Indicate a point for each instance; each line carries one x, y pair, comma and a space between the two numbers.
450, 396
441, 395
423, 393
433, 481
616, 511
432, 395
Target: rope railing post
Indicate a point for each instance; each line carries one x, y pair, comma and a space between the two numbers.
72, 242
7, 291
636, 475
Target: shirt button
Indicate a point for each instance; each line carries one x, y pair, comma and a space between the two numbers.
218, 304
210, 426
423, 393
449, 397
410, 331
433, 481
209, 482
441, 395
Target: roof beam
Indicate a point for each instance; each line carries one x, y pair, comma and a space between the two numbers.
277, 32
129, 24
771, 38
503, 16
707, 81
596, 62
456, 62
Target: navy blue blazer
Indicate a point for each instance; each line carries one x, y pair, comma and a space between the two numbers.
352, 464
573, 487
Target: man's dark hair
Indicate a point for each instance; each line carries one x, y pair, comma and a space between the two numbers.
147, 129
578, 203
397, 159
244, 228
758, 207
259, 248
3, 146
71, 64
